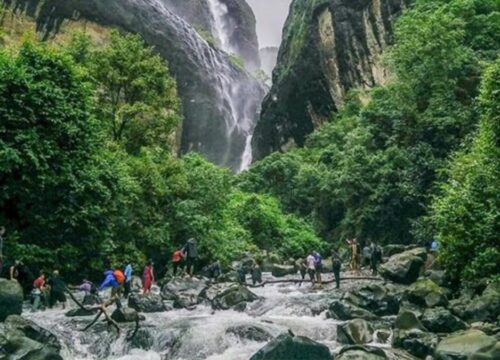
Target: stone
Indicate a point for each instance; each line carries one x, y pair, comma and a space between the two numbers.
408, 320
375, 298
81, 312
24, 348
439, 277
283, 270
461, 345
249, 332
417, 342
358, 352
491, 352
11, 298
485, 307
231, 296
393, 249
356, 331
185, 292
404, 268
148, 303
20, 326
425, 292
290, 347
90, 300
343, 310
382, 336
440, 320
124, 315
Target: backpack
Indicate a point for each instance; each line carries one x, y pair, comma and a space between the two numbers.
119, 276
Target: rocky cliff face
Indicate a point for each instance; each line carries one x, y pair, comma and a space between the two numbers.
219, 99
329, 47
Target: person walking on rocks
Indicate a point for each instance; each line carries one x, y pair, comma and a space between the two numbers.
148, 277
256, 273
177, 258
57, 288
354, 247
376, 257
128, 279
336, 265
38, 292
190, 251
318, 267
311, 268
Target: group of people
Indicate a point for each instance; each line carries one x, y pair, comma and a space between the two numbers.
371, 256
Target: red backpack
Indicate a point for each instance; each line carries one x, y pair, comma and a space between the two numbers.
120, 278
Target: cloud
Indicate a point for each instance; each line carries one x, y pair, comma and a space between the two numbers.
271, 16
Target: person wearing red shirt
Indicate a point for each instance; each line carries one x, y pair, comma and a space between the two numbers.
177, 257
38, 294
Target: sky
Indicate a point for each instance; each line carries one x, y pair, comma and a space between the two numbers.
271, 16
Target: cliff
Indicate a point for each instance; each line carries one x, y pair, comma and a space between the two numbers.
329, 47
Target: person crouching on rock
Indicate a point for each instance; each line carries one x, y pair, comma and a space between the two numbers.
110, 281
148, 277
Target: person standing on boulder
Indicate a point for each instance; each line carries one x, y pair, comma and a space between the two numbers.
190, 251
128, 279
336, 264
311, 267
177, 258
57, 288
148, 277
14, 270
376, 257
256, 273
354, 247
318, 267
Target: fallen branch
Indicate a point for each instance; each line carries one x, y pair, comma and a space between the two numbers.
308, 281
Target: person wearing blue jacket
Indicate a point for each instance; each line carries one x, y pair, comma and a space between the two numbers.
128, 279
109, 281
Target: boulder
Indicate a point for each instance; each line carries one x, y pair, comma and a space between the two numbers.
485, 307
382, 336
408, 320
356, 331
125, 314
23, 348
393, 249
185, 292
440, 320
426, 292
487, 353
11, 298
81, 312
283, 270
148, 303
344, 310
463, 344
249, 332
404, 268
227, 296
21, 327
438, 276
90, 300
381, 300
291, 347
136, 284
358, 352
417, 342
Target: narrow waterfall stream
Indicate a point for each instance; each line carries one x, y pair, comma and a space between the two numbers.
202, 333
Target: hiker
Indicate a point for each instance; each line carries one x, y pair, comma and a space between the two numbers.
148, 277
336, 264
14, 270
120, 279
25, 278
128, 279
57, 288
376, 257
256, 273
318, 266
354, 247
38, 295
190, 251
109, 281
434, 245
242, 275
214, 270
302, 270
177, 258
311, 267
367, 255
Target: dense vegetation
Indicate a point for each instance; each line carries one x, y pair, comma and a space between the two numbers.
376, 169
89, 177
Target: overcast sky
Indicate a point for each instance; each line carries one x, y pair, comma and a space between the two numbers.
271, 16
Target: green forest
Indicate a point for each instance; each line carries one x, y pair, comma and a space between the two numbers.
90, 173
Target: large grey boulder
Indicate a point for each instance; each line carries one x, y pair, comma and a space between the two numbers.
185, 292
24, 327
463, 344
411, 335
293, 348
426, 292
11, 298
487, 353
125, 314
249, 332
358, 352
441, 320
356, 331
148, 303
404, 268
278, 270
379, 299
81, 312
226, 296
344, 310
485, 307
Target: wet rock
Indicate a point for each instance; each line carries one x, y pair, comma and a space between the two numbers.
249, 332
417, 342
343, 310
404, 268
24, 348
358, 352
485, 307
148, 303
283, 270
440, 320
438, 276
22, 327
81, 312
125, 314
90, 300
408, 320
356, 331
461, 345
425, 292
11, 298
293, 348
185, 292
486, 327
393, 249
381, 300
382, 336
229, 296
487, 353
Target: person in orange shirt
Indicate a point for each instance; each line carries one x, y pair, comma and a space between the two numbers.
177, 258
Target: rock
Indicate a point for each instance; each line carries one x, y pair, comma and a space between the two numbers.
358, 352
486, 327
185, 292
292, 348
461, 345
283, 270
148, 303
11, 298
136, 284
404, 268
393, 249
356, 331
21, 327
230, 296
343, 310
125, 314
425, 292
24, 348
249, 332
485, 307
487, 353
382, 336
439, 277
81, 312
408, 320
417, 342
375, 298
440, 320
90, 300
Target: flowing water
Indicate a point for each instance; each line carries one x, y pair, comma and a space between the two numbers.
200, 334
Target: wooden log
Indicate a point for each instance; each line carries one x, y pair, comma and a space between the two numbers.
308, 280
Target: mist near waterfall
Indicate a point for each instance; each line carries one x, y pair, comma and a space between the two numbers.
271, 16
